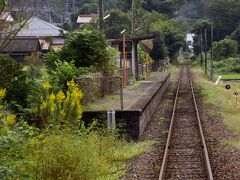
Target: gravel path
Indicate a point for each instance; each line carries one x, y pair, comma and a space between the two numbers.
147, 165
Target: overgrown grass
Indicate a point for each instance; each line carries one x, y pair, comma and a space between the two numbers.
221, 98
69, 155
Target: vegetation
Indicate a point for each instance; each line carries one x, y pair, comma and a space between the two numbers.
84, 48
224, 100
225, 48
42, 134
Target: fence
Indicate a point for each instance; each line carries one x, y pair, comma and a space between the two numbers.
129, 74
101, 92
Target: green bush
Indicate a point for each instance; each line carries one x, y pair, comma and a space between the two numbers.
224, 49
87, 48
65, 72
10, 70
230, 65
17, 82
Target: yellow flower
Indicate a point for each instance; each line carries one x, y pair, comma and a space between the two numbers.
52, 97
47, 85
60, 96
11, 119
71, 84
77, 94
2, 93
52, 106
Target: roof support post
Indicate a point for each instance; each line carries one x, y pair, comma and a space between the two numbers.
135, 43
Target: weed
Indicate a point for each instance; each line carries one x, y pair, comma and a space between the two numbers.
221, 98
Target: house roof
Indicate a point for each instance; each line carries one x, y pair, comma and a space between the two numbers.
20, 46
36, 27
85, 19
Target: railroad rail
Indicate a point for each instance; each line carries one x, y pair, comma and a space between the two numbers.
186, 155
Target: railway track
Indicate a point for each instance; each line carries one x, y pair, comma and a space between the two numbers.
185, 155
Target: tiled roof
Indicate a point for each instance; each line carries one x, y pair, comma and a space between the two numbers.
36, 27
20, 46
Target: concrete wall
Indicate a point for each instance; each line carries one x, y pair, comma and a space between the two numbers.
150, 107
133, 122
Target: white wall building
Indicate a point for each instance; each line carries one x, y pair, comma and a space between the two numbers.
189, 40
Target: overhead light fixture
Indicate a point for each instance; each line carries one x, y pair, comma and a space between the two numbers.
138, 28
107, 16
123, 31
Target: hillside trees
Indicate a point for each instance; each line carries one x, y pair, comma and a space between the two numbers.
117, 22
172, 35
202, 40
168, 7
236, 36
225, 16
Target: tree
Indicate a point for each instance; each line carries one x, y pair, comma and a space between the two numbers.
225, 49
117, 22
201, 43
159, 51
86, 48
168, 7
236, 36
171, 34
225, 15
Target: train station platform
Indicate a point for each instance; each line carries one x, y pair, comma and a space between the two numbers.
140, 102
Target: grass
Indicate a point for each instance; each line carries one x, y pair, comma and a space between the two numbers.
135, 86
70, 155
224, 100
230, 76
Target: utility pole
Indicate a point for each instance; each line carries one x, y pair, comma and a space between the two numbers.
100, 5
123, 33
133, 17
211, 71
134, 44
205, 49
201, 45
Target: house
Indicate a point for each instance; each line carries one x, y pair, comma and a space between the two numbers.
6, 17
86, 19
20, 48
189, 41
48, 34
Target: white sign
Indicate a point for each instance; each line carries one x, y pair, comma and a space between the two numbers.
219, 78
